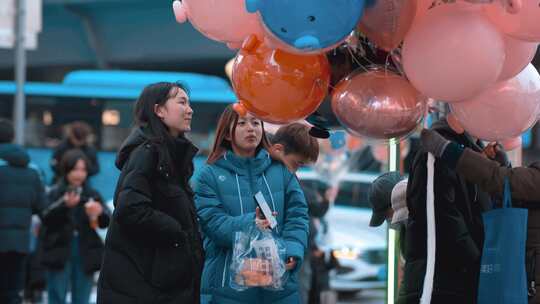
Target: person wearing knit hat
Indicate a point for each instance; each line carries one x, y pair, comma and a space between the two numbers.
380, 197
399, 203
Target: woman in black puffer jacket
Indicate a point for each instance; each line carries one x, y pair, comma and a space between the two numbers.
153, 250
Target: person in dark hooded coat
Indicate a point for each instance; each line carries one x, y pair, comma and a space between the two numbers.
459, 229
21, 194
153, 250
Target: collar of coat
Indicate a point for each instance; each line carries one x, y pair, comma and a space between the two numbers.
245, 165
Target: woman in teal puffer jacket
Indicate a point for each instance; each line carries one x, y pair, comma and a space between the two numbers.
238, 167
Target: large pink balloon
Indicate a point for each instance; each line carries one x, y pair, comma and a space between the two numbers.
453, 53
503, 111
422, 6
222, 20
519, 54
378, 104
517, 18
387, 21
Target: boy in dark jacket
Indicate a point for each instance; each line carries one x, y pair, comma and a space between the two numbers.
459, 229
21, 195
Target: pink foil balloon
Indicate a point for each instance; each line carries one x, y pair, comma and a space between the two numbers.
503, 111
519, 54
453, 53
378, 104
517, 18
387, 21
225, 21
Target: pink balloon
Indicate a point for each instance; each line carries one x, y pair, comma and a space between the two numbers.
387, 21
503, 111
517, 18
225, 21
378, 104
519, 54
453, 53
422, 6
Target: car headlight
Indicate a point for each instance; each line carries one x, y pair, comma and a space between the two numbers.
346, 253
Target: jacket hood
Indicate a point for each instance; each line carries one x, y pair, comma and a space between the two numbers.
243, 165
135, 139
14, 155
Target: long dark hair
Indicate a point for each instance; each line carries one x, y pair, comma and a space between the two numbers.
145, 117
152, 95
226, 128
69, 161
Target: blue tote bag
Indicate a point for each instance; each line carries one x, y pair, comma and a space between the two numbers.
503, 277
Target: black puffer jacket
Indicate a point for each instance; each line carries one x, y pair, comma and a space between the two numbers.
59, 224
21, 195
459, 231
153, 250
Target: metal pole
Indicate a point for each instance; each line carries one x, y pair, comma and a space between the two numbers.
20, 72
394, 164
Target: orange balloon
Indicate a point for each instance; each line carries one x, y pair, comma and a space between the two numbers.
276, 86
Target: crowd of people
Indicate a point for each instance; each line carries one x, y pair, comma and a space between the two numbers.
171, 238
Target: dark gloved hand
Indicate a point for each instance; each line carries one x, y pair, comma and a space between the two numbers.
495, 151
433, 142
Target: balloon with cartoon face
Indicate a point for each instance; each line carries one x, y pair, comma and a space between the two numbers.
308, 26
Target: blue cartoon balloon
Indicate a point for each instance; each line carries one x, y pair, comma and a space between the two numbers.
308, 25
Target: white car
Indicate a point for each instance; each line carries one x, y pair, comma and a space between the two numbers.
361, 250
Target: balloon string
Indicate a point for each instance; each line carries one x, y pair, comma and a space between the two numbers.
331, 86
356, 60
386, 64
392, 66
363, 44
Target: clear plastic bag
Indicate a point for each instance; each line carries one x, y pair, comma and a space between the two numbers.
258, 260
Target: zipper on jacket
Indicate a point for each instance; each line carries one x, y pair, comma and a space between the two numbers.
224, 278
239, 195
270, 192
250, 178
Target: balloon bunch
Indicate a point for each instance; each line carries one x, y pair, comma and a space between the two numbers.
476, 55
473, 54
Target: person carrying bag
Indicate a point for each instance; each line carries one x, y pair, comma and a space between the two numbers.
503, 277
